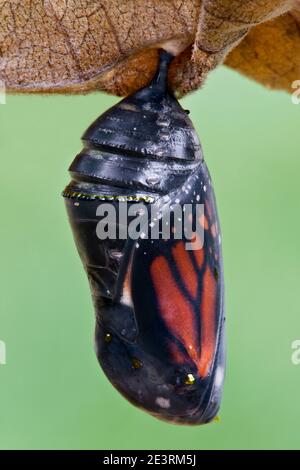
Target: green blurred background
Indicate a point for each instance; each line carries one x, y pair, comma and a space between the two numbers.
52, 391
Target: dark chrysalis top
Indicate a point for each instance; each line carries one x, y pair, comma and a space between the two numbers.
150, 123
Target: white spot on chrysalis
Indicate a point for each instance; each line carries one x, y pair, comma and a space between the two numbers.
163, 402
219, 376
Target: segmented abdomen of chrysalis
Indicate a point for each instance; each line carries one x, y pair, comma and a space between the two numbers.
158, 299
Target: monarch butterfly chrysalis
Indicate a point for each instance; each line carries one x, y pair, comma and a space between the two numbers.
159, 306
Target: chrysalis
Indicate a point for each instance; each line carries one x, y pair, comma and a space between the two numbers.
158, 291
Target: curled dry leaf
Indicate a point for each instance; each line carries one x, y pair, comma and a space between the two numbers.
79, 46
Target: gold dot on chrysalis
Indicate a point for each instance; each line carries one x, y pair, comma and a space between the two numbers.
217, 419
189, 379
107, 337
136, 363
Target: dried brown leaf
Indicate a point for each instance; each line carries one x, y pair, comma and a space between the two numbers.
79, 46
